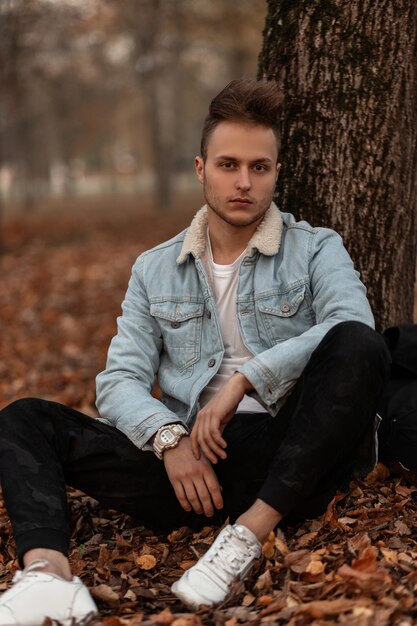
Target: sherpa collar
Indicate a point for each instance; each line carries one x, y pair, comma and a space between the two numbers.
266, 239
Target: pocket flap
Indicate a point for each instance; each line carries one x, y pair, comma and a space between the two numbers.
176, 311
283, 304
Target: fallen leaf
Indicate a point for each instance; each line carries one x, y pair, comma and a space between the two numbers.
264, 582
367, 561
106, 594
164, 618
268, 547
306, 539
248, 599
184, 565
330, 517
298, 561
146, 561
190, 619
315, 568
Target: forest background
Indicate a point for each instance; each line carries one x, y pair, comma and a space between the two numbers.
101, 105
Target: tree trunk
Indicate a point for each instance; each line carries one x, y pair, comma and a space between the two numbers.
348, 72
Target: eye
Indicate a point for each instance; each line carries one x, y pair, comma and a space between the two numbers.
227, 165
259, 167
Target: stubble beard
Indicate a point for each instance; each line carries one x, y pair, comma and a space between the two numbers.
214, 203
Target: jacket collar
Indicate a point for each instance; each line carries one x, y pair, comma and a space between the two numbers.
266, 239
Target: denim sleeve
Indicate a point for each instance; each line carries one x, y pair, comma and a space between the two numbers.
124, 397
338, 296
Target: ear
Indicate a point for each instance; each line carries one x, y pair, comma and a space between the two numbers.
199, 168
278, 169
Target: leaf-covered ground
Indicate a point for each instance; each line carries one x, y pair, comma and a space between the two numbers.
63, 277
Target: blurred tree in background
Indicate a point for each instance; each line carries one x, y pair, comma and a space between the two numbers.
101, 96
348, 74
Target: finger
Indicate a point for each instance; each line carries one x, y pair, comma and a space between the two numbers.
214, 488
193, 497
181, 497
216, 434
194, 444
208, 452
204, 497
212, 443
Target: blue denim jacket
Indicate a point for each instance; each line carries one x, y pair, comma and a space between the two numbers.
295, 283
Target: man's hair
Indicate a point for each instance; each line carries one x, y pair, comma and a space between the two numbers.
245, 101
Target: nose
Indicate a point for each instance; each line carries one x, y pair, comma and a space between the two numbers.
243, 180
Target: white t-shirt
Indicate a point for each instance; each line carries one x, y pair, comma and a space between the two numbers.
224, 279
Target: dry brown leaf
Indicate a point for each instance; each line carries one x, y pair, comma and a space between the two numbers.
298, 561
379, 474
264, 582
315, 568
358, 543
179, 535
265, 600
369, 582
401, 528
106, 594
146, 561
165, 617
330, 517
248, 599
323, 608
367, 561
184, 565
274, 607
306, 539
190, 619
136, 620
103, 558
130, 595
281, 546
390, 556
268, 547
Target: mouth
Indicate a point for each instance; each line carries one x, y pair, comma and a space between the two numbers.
239, 200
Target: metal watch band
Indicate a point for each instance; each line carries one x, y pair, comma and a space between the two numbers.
168, 437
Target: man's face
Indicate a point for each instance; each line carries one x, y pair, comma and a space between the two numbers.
240, 172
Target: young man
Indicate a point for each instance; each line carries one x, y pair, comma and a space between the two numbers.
261, 335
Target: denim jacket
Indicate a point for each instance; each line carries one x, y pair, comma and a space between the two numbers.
295, 283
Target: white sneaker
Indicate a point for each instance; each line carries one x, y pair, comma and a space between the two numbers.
230, 557
36, 595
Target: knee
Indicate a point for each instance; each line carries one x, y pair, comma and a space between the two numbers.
20, 410
359, 336
360, 342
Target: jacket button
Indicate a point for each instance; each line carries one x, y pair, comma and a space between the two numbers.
175, 324
212, 363
285, 308
208, 315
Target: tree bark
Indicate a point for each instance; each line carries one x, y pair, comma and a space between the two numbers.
348, 73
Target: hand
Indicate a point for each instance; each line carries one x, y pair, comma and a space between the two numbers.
194, 481
212, 419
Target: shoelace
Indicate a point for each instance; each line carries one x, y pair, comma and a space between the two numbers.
235, 557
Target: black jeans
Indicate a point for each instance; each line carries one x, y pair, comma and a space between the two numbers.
295, 462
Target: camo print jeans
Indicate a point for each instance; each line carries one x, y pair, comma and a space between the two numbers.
295, 462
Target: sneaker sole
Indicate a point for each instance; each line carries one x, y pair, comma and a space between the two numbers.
72, 621
187, 595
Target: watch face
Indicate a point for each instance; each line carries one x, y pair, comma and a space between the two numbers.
167, 436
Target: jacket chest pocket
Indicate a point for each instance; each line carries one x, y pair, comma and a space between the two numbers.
285, 315
181, 327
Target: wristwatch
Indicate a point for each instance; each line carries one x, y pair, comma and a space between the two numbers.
168, 437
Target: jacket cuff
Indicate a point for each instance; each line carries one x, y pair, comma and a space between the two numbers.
141, 433
272, 394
